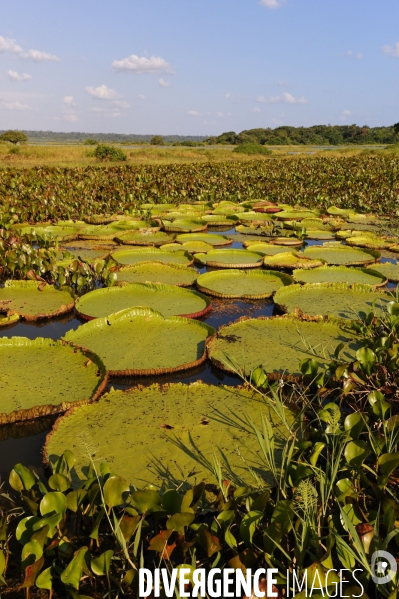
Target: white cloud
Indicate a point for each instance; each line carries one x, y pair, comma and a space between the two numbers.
141, 97
69, 101
71, 118
352, 54
255, 109
271, 3
102, 92
39, 56
15, 105
163, 83
282, 83
8, 44
392, 50
228, 95
261, 99
286, 98
194, 113
347, 112
121, 104
219, 114
15, 76
140, 64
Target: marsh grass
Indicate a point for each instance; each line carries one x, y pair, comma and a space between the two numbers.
73, 155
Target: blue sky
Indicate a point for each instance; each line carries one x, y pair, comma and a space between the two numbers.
197, 67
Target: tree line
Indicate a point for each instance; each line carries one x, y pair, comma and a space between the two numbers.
322, 135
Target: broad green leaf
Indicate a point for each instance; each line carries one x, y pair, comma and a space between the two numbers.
101, 565
116, 491
73, 572
356, 452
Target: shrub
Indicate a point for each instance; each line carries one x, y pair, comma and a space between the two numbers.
104, 152
13, 137
251, 148
90, 142
157, 140
14, 150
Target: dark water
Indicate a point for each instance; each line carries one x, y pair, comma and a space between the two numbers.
23, 443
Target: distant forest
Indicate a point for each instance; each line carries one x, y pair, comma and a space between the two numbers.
54, 136
319, 135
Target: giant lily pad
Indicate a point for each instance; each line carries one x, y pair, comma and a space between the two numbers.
340, 274
388, 270
293, 215
279, 344
184, 226
140, 341
169, 300
254, 230
32, 300
230, 259
212, 239
156, 272
220, 220
370, 241
177, 424
192, 247
41, 377
61, 233
337, 300
253, 284
342, 255
6, 321
147, 237
290, 260
137, 255
267, 249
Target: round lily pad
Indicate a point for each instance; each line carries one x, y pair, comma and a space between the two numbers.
220, 220
61, 233
156, 272
254, 230
169, 300
288, 215
230, 259
184, 226
148, 237
32, 300
41, 377
387, 270
340, 274
170, 425
319, 234
254, 217
287, 241
267, 249
279, 344
336, 300
6, 321
212, 239
370, 241
253, 284
342, 255
196, 247
85, 254
290, 260
140, 341
137, 255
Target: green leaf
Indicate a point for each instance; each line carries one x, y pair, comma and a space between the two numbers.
172, 501
75, 499
180, 521
53, 502
31, 572
145, 500
356, 452
387, 463
116, 491
73, 572
2, 568
355, 423
31, 552
21, 478
101, 565
248, 526
25, 529
59, 482
208, 542
45, 579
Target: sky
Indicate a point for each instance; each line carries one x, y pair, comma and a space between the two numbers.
197, 67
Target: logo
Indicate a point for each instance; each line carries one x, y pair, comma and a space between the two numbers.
383, 567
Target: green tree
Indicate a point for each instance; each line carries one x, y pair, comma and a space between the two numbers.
13, 137
396, 128
104, 152
157, 140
